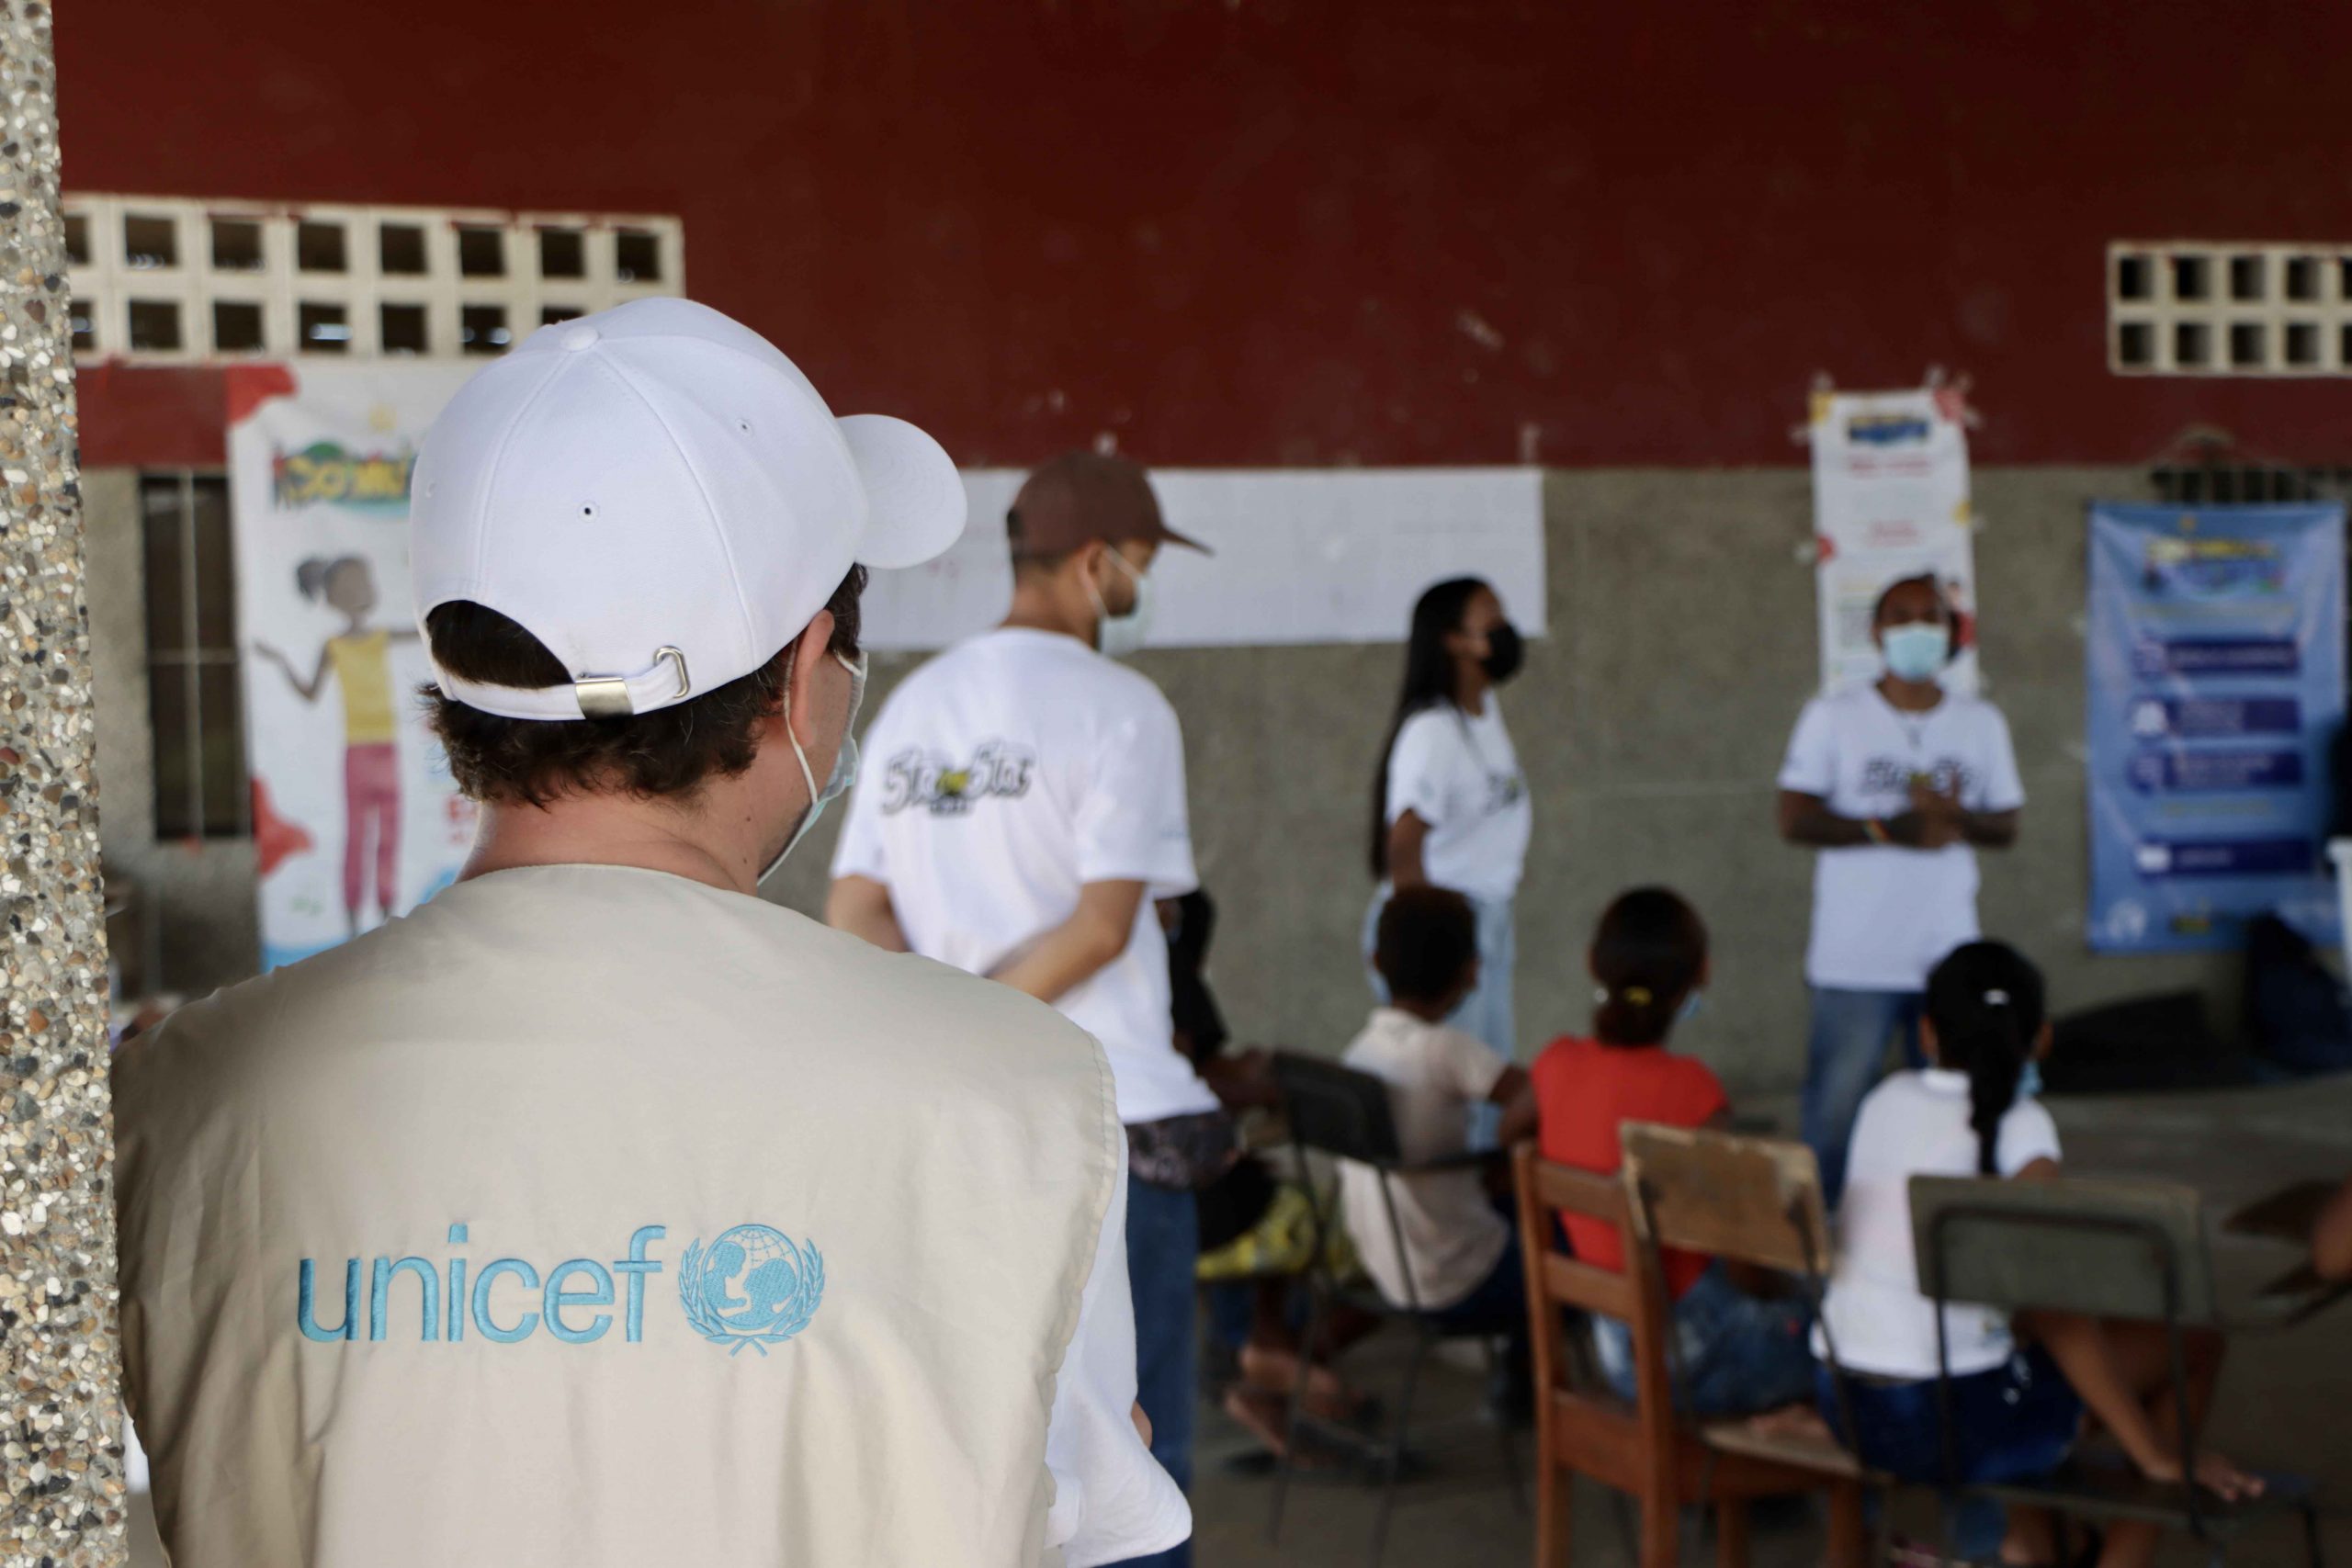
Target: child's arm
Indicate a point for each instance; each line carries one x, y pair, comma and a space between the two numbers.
2332, 1237
307, 690
1515, 1092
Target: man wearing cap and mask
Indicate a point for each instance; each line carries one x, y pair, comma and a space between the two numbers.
1020, 807
600, 1213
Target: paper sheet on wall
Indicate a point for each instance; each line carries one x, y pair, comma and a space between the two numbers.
1890, 497
354, 815
1300, 556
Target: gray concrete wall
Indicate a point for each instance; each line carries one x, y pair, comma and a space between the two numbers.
1651, 722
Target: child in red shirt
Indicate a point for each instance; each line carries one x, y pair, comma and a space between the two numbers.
1735, 1353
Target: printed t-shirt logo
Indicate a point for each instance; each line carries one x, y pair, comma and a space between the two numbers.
1503, 791
1893, 775
916, 780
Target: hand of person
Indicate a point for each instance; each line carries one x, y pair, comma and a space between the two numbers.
1923, 830
2214, 1473
1142, 1421
1941, 816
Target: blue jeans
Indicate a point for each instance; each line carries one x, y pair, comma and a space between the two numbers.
1485, 1013
1843, 1060
1733, 1354
1163, 1244
2016, 1422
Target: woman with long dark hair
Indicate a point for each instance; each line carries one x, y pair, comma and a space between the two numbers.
2020, 1383
1449, 806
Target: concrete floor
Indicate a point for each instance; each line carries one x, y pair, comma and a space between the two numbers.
2283, 1404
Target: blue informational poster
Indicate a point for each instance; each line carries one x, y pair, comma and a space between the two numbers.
2216, 672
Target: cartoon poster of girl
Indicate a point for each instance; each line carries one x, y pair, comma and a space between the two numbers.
359, 657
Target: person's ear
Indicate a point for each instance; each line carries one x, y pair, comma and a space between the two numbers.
1928, 1045
1706, 973
808, 658
2045, 1042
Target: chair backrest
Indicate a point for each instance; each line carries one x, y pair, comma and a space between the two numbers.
1546, 1192
2106, 1248
1337, 1110
1750, 1199
1589, 1428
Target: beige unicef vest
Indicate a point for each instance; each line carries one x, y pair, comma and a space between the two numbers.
591, 1216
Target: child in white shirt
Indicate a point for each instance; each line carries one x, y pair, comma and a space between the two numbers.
1460, 1259
2020, 1385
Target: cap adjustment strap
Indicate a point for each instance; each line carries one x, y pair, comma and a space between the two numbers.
591, 696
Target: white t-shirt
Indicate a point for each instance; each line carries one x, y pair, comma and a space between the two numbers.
1459, 774
1916, 1124
997, 781
633, 1220
1884, 915
1452, 1234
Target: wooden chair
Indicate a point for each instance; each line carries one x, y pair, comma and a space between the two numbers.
2134, 1251
1641, 1449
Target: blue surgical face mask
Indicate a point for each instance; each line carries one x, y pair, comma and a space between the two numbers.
844, 771
1916, 650
2029, 1080
1692, 1004
1115, 636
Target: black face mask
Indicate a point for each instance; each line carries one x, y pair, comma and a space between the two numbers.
1504, 650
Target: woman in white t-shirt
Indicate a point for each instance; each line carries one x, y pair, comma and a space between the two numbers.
1449, 806
2020, 1386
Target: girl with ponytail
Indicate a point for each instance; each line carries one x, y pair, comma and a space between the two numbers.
1737, 1353
2020, 1386
1983, 1007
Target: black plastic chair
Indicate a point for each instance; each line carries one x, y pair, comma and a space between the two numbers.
1346, 1114
2133, 1251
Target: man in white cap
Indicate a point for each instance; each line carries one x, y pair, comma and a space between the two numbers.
1021, 808
600, 1213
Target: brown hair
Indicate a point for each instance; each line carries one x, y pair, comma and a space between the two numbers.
671, 752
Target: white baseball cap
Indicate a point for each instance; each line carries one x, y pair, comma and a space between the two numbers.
661, 498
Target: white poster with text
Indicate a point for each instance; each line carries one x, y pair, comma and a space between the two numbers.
1889, 499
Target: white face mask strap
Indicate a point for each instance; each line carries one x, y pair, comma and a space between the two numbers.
844, 761
808, 778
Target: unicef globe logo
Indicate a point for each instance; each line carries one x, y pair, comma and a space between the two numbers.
752, 1287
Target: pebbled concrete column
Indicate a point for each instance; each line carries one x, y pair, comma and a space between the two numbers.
61, 1413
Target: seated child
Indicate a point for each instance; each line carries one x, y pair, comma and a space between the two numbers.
1734, 1353
2019, 1386
1256, 1235
1461, 1256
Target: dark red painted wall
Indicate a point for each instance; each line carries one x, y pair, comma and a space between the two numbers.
1258, 231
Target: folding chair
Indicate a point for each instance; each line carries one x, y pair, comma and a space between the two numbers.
2134, 1251
1753, 1200
1346, 1114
